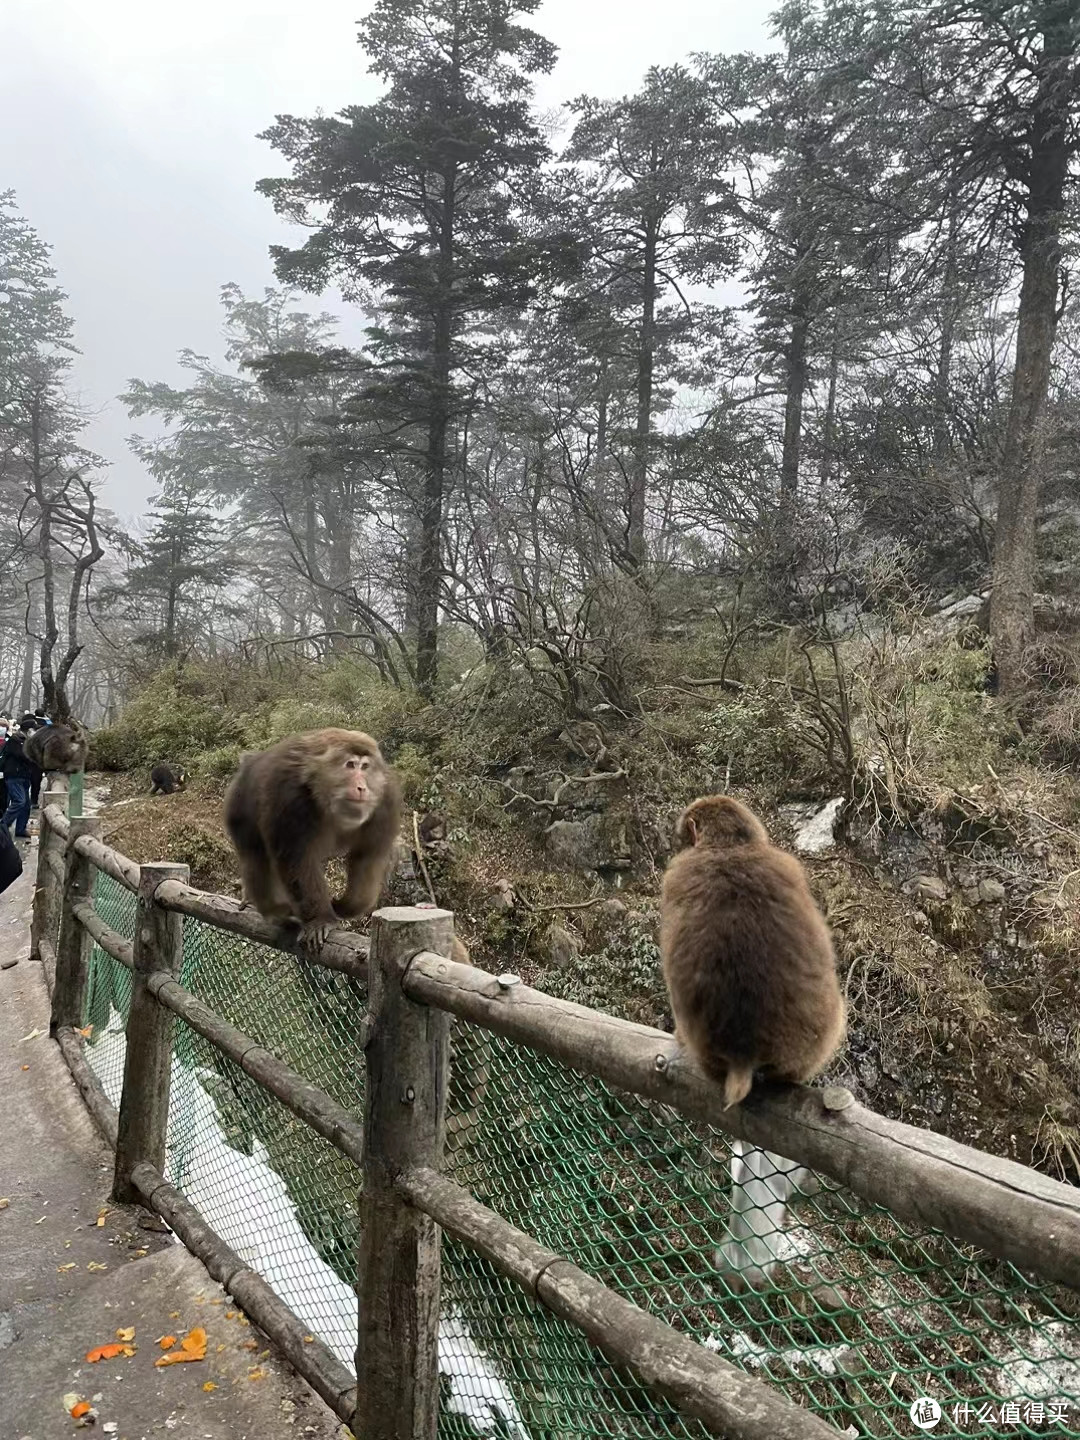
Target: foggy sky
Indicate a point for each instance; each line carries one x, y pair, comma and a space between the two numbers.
127, 131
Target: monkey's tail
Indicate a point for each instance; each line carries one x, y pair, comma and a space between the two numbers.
737, 1083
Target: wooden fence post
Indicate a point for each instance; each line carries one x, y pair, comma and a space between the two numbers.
397, 1354
144, 1100
48, 889
73, 946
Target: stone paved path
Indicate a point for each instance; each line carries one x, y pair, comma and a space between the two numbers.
68, 1283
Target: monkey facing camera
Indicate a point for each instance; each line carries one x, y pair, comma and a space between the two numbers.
58, 749
747, 956
306, 800
165, 779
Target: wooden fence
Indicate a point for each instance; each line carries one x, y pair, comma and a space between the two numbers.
413, 988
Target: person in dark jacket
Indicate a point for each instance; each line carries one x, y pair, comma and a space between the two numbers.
10, 859
19, 774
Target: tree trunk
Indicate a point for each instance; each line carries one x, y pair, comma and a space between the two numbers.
340, 517
170, 602
828, 429
639, 479
602, 403
949, 308
26, 692
1012, 614
797, 370
429, 578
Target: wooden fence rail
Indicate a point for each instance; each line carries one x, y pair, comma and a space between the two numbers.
413, 988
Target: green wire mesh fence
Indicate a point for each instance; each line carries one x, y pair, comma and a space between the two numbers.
108, 992
849, 1311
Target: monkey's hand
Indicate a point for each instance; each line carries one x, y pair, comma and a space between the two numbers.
314, 935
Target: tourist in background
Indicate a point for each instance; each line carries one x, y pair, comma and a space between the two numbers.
10, 860
19, 774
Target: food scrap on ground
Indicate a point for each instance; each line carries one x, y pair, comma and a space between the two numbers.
80, 1410
109, 1352
192, 1347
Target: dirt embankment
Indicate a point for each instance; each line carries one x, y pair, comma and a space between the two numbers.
957, 952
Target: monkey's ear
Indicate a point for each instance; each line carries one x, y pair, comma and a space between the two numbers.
691, 831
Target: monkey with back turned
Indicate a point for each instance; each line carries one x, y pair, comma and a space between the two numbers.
747, 956
291, 808
58, 748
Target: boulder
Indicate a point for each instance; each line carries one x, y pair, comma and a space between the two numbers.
927, 887
991, 892
559, 948
595, 843
502, 898
611, 912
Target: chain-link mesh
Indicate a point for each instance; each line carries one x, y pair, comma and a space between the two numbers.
849, 1311
108, 994
283, 1197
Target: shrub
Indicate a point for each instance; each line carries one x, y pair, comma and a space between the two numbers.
624, 978
172, 719
218, 764
752, 738
416, 772
108, 750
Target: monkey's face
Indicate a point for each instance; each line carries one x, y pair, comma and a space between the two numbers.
359, 782
720, 822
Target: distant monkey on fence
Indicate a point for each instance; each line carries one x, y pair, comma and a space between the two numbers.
307, 799
746, 953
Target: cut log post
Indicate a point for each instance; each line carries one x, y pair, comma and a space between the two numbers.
144, 1100
48, 892
407, 1048
73, 946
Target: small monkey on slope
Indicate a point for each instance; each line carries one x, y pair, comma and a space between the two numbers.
291, 808
747, 956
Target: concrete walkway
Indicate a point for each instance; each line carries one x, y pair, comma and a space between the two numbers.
69, 1280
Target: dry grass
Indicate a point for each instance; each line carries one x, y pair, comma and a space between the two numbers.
185, 828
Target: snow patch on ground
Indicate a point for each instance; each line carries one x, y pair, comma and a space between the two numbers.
1044, 1365
816, 835
759, 1237
822, 1359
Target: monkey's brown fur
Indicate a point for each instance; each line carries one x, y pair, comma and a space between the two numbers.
58, 748
289, 809
747, 956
